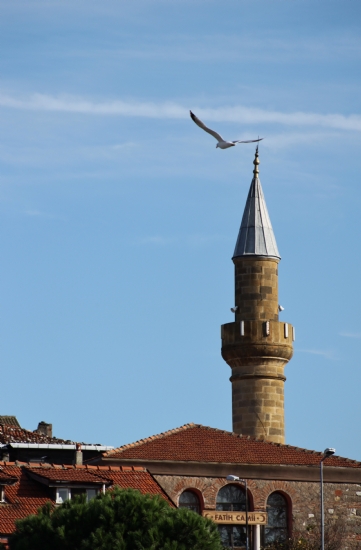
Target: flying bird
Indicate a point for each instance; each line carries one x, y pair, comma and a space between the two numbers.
222, 144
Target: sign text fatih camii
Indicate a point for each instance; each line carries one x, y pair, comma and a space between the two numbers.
218, 516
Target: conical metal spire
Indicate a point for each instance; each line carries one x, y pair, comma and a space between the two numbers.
256, 237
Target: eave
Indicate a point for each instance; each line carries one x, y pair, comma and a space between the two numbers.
285, 472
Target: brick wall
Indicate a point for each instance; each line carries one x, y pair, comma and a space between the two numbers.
342, 500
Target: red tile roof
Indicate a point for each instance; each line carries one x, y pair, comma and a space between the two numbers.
134, 478
9, 421
5, 478
22, 499
14, 434
70, 474
26, 496
197, 443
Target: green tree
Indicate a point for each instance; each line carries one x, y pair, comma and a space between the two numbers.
118, 520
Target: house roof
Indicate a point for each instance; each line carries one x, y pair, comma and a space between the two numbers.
256, 237
71, 475
197, 443
22, 499
5, 478
9, 420
27, 495
11, 433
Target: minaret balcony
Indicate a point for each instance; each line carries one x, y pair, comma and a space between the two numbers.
254, 339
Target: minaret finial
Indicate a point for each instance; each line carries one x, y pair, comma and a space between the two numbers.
256, 163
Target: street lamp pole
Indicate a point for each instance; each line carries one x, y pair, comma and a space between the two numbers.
247, 542
326, 453
236, 478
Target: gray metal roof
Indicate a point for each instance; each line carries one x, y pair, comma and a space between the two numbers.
256, 235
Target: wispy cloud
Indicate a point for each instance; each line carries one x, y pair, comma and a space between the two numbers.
328, 354
232, 48
126, 145
350, 334
289, 139
173, 110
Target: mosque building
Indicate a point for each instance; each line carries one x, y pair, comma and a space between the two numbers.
277, 484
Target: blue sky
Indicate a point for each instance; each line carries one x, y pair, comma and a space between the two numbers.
119, 217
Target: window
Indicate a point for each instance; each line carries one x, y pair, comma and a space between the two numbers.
66, 493
277, 528
62, 494
90, 494
232, 498
189, 499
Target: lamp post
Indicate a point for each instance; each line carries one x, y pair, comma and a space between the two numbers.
236, 478
326, 453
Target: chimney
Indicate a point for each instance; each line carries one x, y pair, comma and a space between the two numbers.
44, 429
78, 459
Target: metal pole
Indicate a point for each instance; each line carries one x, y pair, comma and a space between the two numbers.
247, 545
326, 454
322, 510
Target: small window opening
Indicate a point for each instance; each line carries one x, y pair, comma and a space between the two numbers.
190, 500
233, 498
277, 529
62, 494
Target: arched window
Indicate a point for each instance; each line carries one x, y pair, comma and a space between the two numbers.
277, 528
189, 499
232, 498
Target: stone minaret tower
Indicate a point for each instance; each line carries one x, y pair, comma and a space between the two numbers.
257, 346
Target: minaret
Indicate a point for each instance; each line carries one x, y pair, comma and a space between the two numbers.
257, 346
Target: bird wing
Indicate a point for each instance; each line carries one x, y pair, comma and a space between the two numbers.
248, 141
204, 127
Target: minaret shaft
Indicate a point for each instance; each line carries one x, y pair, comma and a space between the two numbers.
257, 346
256, 288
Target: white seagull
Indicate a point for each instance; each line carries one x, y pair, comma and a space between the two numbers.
222, 144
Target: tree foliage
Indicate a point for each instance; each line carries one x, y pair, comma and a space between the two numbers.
120, 520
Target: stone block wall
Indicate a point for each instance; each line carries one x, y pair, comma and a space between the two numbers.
258, 408
256, 288
257, 361
257, 347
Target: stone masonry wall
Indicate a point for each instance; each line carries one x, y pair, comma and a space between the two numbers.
258, 408
257, 347
256, 288
342, 500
